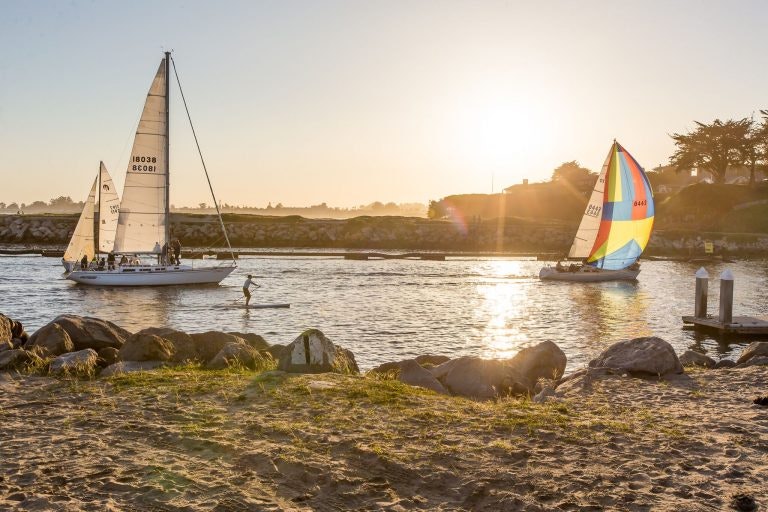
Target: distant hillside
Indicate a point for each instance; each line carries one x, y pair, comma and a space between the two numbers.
698, 207
540, 201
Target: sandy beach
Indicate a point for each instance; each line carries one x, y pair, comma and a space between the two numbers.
188, 439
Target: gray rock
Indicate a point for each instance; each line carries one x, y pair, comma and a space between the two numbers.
234, 354
87, 332
757, 348
693, 358
184, 346
276, 350
542, 361
412, 373
254, 340
6, 345
130, 367
312, 352
430, 360
754, 361
109, 355
543, 395
15, 358
146, 347
208, 344
725, 363
640, 356
481, 379
82, 362
51, 340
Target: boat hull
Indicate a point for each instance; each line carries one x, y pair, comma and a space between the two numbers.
149, 275
588, 275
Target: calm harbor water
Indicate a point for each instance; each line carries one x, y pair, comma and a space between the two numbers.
386, 310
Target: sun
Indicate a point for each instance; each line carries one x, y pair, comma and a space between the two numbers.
502, 132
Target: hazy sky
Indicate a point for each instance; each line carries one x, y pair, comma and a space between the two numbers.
349, 102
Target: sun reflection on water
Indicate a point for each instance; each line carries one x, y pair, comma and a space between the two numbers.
502, 308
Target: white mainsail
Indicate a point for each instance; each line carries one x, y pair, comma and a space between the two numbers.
143, 210
81, 242
590, 222
109, 210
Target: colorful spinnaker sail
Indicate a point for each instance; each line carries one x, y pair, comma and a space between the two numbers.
618, 220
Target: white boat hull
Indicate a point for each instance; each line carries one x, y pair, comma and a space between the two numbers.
588, 275
151, 275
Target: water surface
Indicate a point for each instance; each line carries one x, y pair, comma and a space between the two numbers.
386, 310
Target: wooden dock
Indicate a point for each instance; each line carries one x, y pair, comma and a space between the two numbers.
740, 325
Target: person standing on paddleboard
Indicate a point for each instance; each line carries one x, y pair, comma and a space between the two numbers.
247, 284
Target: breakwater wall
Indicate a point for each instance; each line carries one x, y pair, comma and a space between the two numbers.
408, 233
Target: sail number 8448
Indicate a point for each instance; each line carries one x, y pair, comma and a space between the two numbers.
144, 164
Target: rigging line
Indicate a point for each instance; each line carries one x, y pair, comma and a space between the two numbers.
181, 92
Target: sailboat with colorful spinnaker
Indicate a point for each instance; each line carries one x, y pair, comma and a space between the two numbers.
615, 227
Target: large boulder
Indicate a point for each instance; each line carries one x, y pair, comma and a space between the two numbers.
640, 356
312, 352
6, 345
757, 348
412, 373
184, 346
693, 358
10, 359
86, 332
82, 362
208, 344
108, 356
51, 340
130, 367
143, 346
239, 354
430, 360
542, 361
480, 379
252, 339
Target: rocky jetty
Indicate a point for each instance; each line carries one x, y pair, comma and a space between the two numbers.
511, 234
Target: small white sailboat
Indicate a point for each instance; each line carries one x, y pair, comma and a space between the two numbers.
615, 227
143, 222
95, 229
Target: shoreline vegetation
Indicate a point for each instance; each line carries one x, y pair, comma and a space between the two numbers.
639, 430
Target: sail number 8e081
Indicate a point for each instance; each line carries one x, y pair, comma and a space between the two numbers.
140, 164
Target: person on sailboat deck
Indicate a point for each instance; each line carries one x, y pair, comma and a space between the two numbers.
102, 264
176, 246
84, 262
247, 284
164, 254
124, 260
111, 261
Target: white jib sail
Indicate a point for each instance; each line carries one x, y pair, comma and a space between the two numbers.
81, 242
590, 221
109, 209
142, 219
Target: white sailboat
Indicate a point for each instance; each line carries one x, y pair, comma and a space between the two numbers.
143, 223
615, 227
87, 239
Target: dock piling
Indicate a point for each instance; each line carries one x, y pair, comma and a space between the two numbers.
702, 285
726, 297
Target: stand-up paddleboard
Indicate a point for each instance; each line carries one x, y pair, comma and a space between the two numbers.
261, 306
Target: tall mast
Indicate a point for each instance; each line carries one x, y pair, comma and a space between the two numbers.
97, 216
167, 148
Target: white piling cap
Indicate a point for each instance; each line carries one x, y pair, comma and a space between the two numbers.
702, 273
727, 275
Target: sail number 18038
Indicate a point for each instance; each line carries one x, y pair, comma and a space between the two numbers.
144, 164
